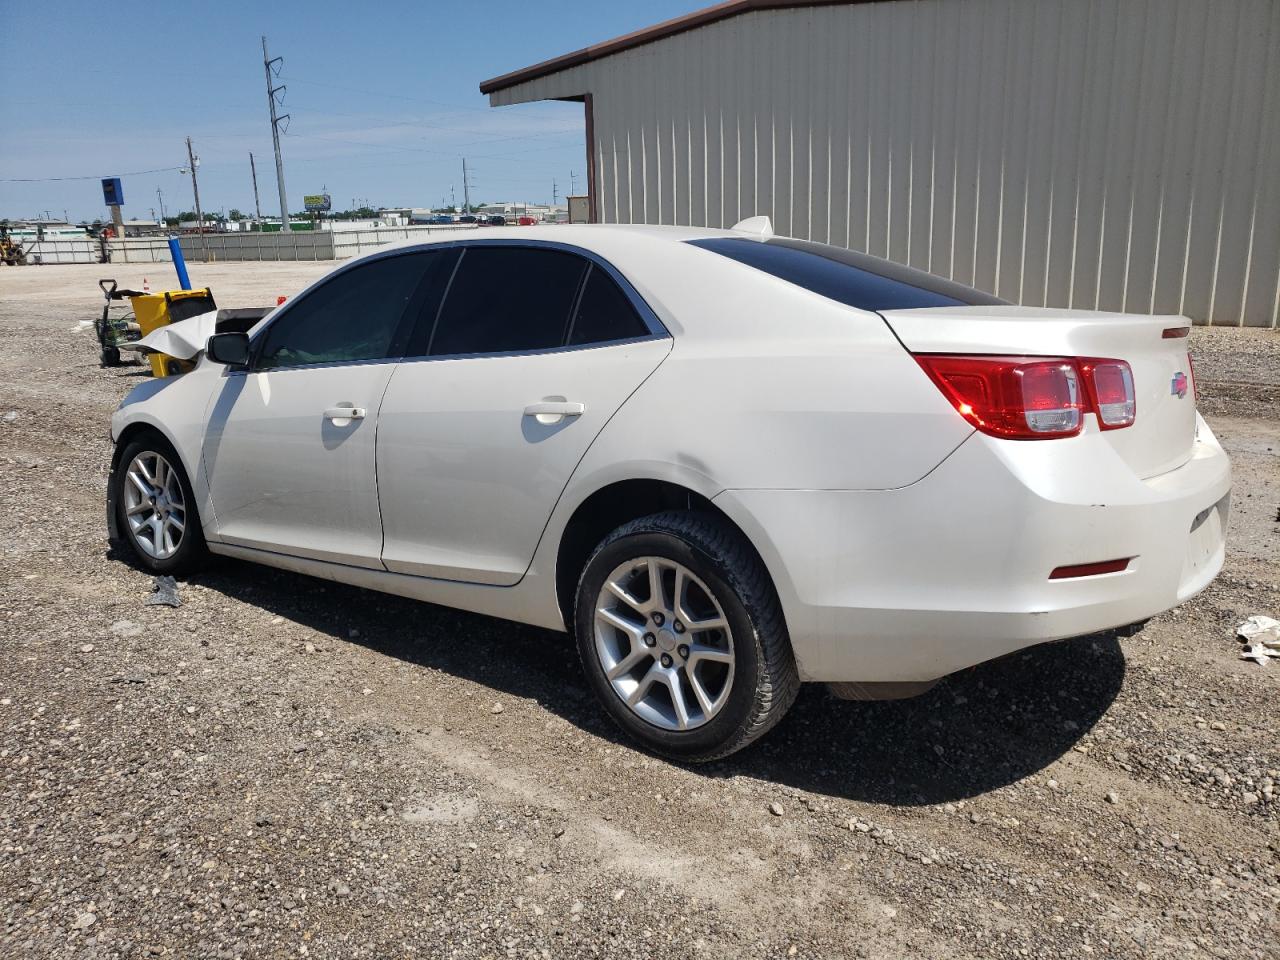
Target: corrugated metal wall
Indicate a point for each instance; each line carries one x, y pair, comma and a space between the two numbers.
1111, 154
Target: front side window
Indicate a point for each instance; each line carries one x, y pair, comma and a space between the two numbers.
604, 313
506, 300
352, 317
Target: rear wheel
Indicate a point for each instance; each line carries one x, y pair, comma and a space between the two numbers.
156, 507
682, 636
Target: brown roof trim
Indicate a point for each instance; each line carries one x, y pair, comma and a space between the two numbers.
659, 31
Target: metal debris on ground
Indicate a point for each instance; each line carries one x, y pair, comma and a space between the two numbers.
1261, 636
166, 593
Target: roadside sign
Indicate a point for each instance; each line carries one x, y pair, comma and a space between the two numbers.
317, 202
112, 191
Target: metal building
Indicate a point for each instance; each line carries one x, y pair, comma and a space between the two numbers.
1111, 154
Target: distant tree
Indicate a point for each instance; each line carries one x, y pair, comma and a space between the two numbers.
235, 215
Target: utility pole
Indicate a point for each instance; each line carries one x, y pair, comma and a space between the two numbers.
554, 193
193, 162
257, 207
466, 188
164, 219
267, 62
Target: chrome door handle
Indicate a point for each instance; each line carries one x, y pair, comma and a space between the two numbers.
553, 411
344, 413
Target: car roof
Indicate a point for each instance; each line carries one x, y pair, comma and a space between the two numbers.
596, 237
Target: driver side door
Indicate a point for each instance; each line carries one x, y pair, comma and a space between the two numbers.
288, 451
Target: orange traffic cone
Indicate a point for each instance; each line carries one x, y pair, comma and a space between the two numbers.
146, 286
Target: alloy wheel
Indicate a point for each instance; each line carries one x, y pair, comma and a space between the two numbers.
664, 642
154, 506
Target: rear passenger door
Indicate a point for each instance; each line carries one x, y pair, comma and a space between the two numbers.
532, 349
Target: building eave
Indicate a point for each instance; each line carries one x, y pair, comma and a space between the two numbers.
659, 31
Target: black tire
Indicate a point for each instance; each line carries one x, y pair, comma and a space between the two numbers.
191, 552
764, 680
110, 357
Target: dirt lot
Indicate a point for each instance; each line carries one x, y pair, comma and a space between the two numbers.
284, 767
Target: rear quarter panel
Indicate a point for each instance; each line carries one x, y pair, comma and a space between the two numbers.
771, 386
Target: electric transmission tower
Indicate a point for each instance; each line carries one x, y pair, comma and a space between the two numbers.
272, 67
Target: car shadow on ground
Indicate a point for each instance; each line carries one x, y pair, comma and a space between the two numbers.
974, 732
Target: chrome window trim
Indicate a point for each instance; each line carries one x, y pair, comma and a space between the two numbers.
543, 351
325, 365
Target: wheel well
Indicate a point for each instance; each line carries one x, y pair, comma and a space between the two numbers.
131, 433
606, 510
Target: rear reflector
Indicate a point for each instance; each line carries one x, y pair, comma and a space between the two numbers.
1034, 398
1090, 569
1175, 333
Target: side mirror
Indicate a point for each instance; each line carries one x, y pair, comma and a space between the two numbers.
229, 348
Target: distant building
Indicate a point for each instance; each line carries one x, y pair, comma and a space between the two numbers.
143, 228
39, 227
395, 216
514, 208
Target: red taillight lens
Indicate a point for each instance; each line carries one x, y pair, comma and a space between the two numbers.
1191, 373
1111, 385
1021, 398
1034, 398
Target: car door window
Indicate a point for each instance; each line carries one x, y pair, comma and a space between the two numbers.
507, 300
354, 316
604, 313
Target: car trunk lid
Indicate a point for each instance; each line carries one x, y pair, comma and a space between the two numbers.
1155, 347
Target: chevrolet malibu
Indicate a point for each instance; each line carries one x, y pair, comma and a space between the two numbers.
726, 462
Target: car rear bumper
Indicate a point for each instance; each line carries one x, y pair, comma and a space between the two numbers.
915, 583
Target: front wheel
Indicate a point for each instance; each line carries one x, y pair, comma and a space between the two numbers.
682, 636
156, 507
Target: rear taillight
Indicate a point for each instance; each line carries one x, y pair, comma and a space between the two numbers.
1191, 374
1110, 383
1034, 398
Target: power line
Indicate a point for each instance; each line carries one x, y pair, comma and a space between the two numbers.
96, 176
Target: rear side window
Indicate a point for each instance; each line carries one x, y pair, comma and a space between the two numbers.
508, 299
352, 317
854, 279
604, 313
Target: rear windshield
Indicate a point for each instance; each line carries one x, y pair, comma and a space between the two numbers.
855, 279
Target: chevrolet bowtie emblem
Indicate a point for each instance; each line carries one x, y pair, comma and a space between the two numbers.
1179, 385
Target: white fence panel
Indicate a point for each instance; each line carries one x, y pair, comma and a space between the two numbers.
63, 250
353, 243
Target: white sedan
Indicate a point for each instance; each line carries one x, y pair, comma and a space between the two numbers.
727, 462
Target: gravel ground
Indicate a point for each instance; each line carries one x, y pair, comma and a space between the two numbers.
287, 767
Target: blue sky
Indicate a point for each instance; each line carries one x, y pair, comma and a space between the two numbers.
383, 96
